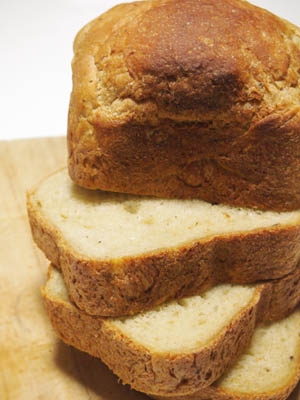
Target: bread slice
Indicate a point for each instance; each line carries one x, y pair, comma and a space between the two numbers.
178, 347
168, 101
122, 254
268, 370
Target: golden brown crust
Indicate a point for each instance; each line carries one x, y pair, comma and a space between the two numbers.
284, 297
159, 373
141, 369
131, 284
214, 393
163, 105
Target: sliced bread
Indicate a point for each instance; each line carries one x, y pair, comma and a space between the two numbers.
121, 254
269, 368
178, 347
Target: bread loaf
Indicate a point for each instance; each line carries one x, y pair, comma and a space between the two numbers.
188, 99
122, 254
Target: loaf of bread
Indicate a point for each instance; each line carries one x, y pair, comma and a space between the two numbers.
269, 369
188, 99
122, 254
180, 346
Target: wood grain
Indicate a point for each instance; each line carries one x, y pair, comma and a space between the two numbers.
34, 364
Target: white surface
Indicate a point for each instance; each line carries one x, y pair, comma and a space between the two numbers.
36, 50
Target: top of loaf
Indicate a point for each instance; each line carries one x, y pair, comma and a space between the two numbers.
215, 61
188, 99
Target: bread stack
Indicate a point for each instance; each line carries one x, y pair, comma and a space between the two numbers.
174, 237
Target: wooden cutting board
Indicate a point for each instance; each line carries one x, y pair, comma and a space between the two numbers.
34, 364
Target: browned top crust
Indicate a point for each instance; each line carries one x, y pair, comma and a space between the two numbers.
188, 98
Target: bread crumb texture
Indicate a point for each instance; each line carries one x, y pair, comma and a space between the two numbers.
110, 225
187, 324
271, 360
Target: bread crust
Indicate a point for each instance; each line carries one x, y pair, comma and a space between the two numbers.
215, 392
162, 105
283, 298
165, 374
212, 393
131, 284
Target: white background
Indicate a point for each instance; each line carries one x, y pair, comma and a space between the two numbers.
35, 55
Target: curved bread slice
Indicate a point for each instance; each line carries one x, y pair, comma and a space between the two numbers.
122, 254
180, 346
268, 370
